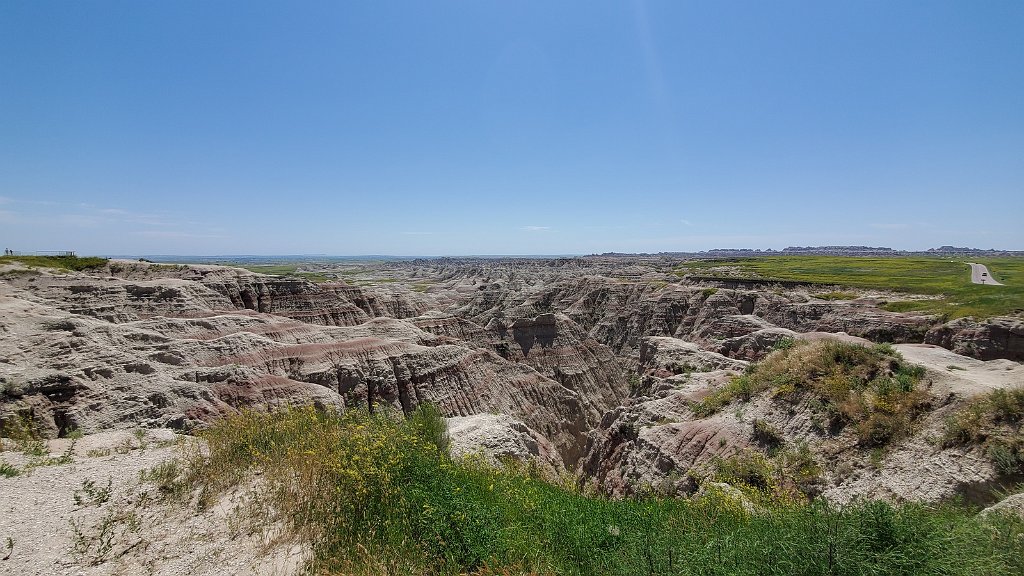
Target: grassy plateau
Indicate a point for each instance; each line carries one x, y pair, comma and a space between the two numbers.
379, 494
283, 270
947, 281
59, 262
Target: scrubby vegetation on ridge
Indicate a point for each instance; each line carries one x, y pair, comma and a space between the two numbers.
789, 474
375, 494
872, 388
995, 421
59, 262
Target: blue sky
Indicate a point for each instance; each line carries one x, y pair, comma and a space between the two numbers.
484, 127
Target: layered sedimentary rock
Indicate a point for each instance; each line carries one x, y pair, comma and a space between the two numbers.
990, 339
591, 365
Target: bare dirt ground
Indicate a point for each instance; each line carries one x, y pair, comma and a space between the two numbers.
95, 516
953, 373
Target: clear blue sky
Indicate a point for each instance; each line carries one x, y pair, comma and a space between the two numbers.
484, 127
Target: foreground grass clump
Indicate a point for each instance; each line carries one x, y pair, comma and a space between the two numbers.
995, 421
377, 495
872, 388
59, 262
948, 280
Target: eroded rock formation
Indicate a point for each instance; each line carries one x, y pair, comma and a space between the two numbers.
589, 365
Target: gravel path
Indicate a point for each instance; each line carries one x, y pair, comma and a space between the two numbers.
126, 529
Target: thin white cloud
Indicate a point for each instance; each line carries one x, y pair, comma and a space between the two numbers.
536, 228
80, 220
417, 233
686, 222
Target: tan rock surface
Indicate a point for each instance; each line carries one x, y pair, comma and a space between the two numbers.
52, 534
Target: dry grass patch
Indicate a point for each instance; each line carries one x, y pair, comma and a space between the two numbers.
993, 421
872, 388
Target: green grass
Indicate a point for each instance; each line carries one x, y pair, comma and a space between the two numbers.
787, 474
376, 495
59, 262
948, 281
871, 388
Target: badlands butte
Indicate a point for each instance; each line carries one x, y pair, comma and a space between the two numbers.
620, 372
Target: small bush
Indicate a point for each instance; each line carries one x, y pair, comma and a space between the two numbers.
7, 470
741, 388
33, 448
993, 421
1008, 458
92, 494
20, 428
791, 475
165, 475
750, 469
784, 343
42, 457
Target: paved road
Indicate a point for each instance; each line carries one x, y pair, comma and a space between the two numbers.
980, 275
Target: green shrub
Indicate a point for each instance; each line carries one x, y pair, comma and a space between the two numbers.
93, 494
428, 423
7, 470
750, 469
784, 343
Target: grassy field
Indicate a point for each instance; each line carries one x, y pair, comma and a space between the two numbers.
283, 270
948, 280
58, 262
379, 495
